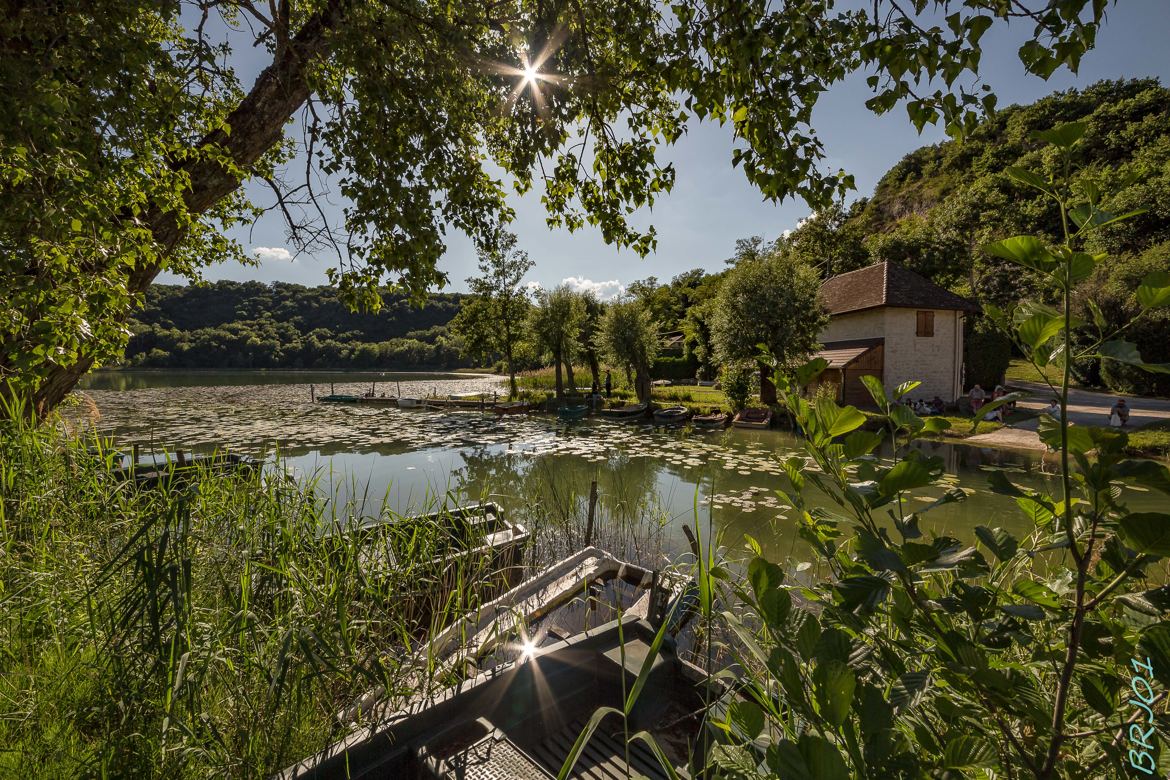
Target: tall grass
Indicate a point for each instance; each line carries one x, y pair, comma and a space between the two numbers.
206, 628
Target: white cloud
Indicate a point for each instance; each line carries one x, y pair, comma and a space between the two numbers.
267, 253
799, 224
603, 290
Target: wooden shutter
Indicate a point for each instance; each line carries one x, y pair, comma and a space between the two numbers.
925, 323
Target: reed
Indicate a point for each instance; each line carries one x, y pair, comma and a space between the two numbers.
210, 627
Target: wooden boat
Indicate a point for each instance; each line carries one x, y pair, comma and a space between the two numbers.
520, 719
453, 543
713, 421
340, 398
573, 412
672, 415
753, 418
627, 412
512, 407
410, 403
179, 466
471, 401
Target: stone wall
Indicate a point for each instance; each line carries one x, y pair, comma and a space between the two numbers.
933, 360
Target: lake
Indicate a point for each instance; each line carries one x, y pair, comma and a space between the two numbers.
651, 480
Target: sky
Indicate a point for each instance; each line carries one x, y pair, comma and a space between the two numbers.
712, 203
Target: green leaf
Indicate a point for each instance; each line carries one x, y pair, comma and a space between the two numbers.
1081, 265
1024, 611
968, 750
1080, 439
1154, 291
839, 420
865, 590
1002, 544
876, 391
1100, 692
746, 717
833, 684
764, 576
935, 425
1064, 136
906, 387
1027, 251
1037, 593
813, 368
1146, 532
776, 605
1127, 352
1146, 473
1039, 328
860, 443
1031, 179
905, 475
579, 745
1037, 512
1155, 645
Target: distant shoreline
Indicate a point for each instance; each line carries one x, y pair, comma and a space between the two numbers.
354, 371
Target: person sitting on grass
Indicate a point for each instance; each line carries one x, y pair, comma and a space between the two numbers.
978, 396
1053, 408
937, 405
1119, 414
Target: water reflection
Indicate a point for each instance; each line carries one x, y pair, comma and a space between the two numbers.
651, 480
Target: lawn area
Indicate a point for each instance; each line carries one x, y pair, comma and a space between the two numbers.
1152, 440
695, 398
1021, 370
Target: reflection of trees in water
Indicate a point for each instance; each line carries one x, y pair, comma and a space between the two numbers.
550, 494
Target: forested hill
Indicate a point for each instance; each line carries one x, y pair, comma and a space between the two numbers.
255, 325
939, 204
935, 210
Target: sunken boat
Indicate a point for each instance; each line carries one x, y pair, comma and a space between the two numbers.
526, 714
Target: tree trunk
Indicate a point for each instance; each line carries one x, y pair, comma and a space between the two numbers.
594, 367
642, 383
569, 377
511, 374
560, 385
767, 389
256, 125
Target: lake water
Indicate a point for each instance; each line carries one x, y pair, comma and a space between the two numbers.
651, 480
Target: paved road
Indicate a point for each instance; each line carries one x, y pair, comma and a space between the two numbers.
1086, 407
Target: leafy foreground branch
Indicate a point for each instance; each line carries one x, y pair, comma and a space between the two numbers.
1036, 657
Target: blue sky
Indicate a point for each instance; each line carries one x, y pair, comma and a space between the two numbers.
712, 204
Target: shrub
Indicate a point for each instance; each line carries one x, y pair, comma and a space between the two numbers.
740, 382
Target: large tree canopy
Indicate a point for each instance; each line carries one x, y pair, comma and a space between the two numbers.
125, 130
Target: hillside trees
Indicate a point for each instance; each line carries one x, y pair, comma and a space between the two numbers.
407, 106
769, 302
628, 337
495, 322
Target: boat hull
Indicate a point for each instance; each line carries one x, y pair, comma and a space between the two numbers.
754, 421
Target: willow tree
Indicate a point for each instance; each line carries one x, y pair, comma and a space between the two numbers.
127, 129
555, 324
628, 337
768, 301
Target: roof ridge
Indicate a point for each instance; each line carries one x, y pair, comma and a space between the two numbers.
885, 283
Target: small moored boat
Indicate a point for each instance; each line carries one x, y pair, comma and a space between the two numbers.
713, 421
512, 407
340, 398
627, 412
753, 418
672, 415
574, 412
410, 403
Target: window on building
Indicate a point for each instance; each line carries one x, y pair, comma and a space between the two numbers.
925, 323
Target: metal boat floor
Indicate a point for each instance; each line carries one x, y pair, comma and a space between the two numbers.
496, 757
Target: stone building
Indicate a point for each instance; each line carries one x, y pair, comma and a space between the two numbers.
890, 322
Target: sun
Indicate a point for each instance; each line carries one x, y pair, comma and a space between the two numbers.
531, 74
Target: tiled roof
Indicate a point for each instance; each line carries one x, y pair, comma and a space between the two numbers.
888, 284
841, 353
